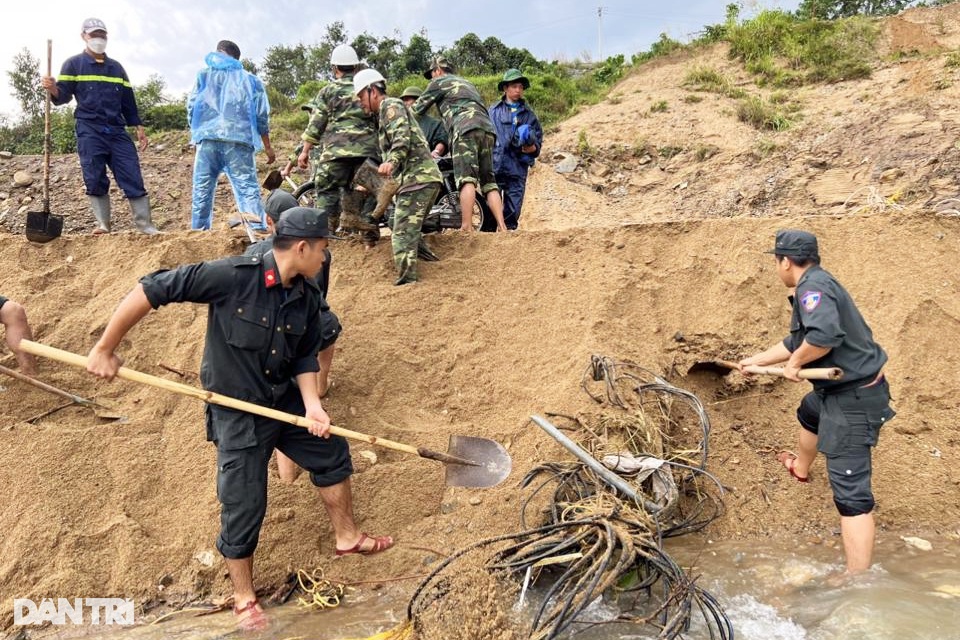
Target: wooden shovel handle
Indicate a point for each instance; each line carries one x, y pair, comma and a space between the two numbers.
829, 373
67, 357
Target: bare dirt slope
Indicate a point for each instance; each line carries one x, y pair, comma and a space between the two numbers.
622, 259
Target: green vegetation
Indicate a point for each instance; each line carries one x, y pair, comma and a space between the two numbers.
785, 51
712, 81
659, 106
762, 114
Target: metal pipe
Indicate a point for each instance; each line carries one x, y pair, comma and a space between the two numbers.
605, 474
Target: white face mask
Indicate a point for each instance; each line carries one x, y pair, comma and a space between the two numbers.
97, 45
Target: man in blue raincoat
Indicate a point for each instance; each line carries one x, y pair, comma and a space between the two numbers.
519, 138
229, 117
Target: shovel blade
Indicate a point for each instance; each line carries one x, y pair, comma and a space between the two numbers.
43, 226
719, 367
493, 463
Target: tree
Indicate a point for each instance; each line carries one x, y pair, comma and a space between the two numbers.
286, 68
833, 9
25, 82
414, 58
150, 94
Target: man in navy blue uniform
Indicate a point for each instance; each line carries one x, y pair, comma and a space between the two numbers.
106, 106
263, 335
840, 418
519, 139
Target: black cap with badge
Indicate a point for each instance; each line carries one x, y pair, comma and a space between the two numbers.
304, 222
793, 243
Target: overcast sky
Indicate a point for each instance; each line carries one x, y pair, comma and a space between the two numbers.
171, 37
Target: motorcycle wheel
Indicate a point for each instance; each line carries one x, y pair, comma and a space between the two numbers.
480, 213
305, 194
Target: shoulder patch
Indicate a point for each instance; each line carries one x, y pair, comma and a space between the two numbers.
810, 300
391, 112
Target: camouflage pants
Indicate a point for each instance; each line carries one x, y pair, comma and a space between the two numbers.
408, 214
473, 160
328, 179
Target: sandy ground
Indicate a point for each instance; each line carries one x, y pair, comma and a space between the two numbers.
621, 258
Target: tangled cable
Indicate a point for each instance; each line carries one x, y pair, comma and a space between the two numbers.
602, 538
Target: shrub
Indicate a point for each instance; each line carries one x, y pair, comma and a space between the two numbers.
762, 115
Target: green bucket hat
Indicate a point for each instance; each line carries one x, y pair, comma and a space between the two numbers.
439, 62
411, 92
513, 75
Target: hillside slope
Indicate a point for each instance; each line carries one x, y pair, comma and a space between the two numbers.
622, 259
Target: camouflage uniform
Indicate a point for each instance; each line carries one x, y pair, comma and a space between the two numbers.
346, 136
467, 121
402, 144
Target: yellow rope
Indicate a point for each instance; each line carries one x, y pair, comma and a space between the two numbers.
321, 593
403, 631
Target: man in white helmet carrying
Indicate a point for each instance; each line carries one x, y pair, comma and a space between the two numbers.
407, 159
346, 136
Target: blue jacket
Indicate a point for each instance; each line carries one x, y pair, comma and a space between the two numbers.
228, 103
103, 91
507, 157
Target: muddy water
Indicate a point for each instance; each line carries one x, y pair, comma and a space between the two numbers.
770, 591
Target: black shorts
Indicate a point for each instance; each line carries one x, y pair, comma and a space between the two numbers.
848, 425
3, 301
245, 443
330, 328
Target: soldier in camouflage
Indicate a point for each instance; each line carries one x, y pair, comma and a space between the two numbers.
472, 136
346, 137
407, 158
437, 139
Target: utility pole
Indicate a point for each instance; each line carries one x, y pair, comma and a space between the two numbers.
600, 34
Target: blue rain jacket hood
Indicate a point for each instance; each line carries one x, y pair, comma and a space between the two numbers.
228, 103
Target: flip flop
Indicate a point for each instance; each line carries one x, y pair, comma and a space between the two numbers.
381, 543
254, 620
788, 459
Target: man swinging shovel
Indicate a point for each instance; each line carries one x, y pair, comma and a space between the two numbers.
262, 343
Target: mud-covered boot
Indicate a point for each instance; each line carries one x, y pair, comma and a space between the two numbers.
141, 215
351, 204
101, 211
384, 188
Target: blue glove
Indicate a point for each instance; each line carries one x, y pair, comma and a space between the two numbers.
524, 136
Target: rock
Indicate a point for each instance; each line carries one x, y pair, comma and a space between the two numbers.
476, 501
22, 179
23, 210
26, 200
369, 456
6, 155
891, 174
4, 195
911, 428
205, 558
917, 543
568, 163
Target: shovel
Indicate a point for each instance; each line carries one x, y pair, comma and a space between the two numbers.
471, 462
98, 409
42, 226
723, 367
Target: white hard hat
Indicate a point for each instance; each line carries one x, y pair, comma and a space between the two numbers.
365, 78
343, 55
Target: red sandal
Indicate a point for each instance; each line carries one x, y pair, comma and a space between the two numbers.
788, 459
254, 620
381, 543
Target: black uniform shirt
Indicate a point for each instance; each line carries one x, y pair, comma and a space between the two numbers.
259, 335
825, 316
